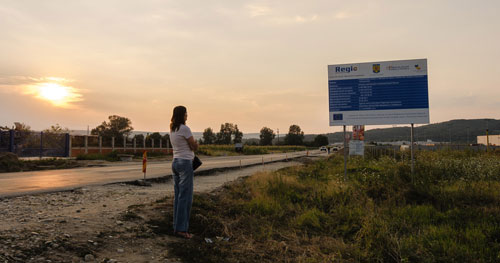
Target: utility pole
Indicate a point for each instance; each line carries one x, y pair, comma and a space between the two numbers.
278, 131
467, 135
487, 136
487, 140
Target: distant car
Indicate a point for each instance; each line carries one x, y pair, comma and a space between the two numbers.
322, 148
238, 147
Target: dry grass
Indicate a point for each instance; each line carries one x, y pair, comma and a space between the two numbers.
381, 214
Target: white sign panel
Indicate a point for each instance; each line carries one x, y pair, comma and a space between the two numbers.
386, 92
357, 148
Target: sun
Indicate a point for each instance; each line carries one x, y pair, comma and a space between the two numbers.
56, 93
53, 92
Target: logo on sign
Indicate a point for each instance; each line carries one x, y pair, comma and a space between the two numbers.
345, 69
417, 67
398, 67
376, 68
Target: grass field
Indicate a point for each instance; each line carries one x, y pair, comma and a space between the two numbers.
115, 156
228, 150
209, 150
449, 211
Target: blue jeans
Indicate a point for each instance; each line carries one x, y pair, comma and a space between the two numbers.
183, 193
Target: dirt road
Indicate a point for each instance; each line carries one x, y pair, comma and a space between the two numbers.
21, 183
90, 224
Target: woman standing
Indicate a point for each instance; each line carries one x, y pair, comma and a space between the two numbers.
184, 145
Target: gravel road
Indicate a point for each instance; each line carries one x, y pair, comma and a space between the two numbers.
87, 225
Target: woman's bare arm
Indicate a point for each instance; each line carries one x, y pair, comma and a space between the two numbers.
192, 143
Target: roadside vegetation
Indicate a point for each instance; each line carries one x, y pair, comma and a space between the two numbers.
114, 156
208, 150
223, 150
446, 212
10, 163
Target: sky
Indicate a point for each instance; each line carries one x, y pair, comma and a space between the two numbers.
252, 63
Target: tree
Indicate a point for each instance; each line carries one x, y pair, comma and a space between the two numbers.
252, 142
54, 137
166, 139
209, 136
238, 135
56, 129
156, 136
18, 126
116, 127
21, 127
139, 139
227, 132
266, 136
320, 140
224, 136
295, 136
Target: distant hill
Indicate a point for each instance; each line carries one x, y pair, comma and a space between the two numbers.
455, 131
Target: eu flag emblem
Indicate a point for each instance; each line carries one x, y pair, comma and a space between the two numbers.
338, 117
376, 68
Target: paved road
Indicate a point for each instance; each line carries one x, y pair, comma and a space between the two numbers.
21, 183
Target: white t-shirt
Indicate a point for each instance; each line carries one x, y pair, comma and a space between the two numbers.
180, 144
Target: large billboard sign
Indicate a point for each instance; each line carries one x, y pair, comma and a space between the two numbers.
377, 93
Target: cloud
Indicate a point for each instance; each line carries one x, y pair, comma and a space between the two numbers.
342, 15
55, 90
278, 17
26, 80
301, 19
292, 19
16, 80
258, 10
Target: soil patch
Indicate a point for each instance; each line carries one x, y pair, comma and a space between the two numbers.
110, 223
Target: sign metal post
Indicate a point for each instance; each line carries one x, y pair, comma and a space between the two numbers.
345, 155
412, 156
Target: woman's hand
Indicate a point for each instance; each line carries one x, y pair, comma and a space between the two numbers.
192, 143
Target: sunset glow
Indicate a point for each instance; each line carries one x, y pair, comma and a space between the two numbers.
253, 63
58, 94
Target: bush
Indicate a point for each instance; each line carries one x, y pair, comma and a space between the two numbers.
225, 150
446, 212
9, 162
110, 157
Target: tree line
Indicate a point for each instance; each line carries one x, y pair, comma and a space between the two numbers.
229, 133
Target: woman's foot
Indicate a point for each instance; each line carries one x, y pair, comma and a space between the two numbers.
185, 235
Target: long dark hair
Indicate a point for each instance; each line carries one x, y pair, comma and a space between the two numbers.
177, 118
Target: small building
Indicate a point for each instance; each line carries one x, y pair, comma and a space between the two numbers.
494, 139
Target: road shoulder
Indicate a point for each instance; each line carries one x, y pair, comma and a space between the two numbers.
95, 222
